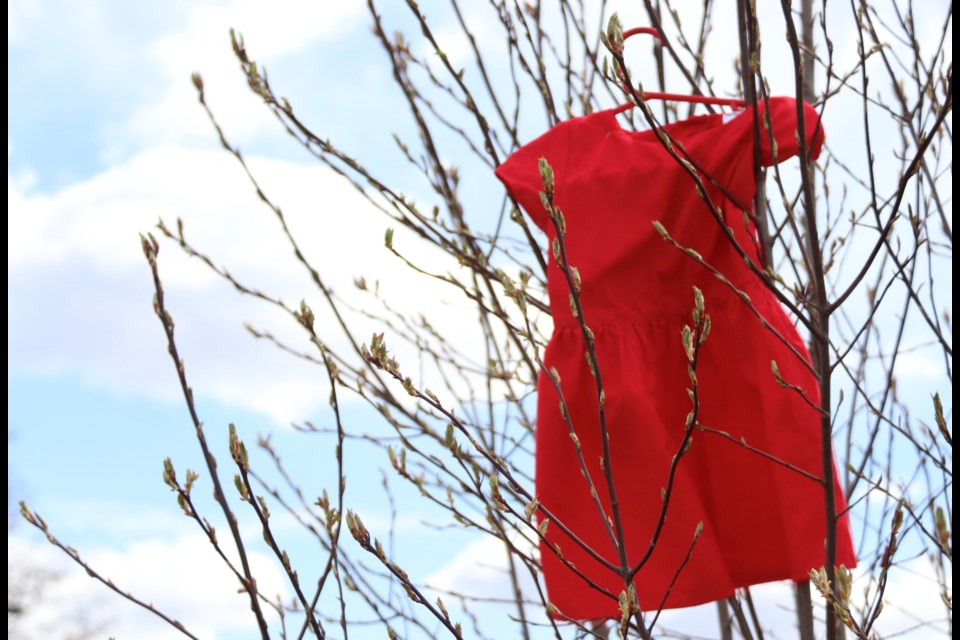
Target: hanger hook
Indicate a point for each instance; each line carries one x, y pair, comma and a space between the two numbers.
647, 30
701, 99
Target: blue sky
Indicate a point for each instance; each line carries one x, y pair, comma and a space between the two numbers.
104, 137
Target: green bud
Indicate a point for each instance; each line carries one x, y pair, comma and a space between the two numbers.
687, 338
561, 222
448, 439
306, 315
615, 33
941, 420
531, 508
897, 518
546, 175
943, 530
545, 201
357, 530
844, 582
624, 604
191, 478
169, 475
706, 330
589, 332
689, 167
241, 489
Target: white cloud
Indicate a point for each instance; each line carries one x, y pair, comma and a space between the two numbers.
912, 604
919, 366
20, 14
179, 573
126, 520
80, 288
271, 31
483, 24
481, 570
911, 597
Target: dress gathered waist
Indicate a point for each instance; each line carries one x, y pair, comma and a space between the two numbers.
717, 296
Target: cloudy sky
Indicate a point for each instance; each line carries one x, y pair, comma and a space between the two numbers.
105, 137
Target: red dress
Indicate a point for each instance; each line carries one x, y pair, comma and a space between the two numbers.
761, 521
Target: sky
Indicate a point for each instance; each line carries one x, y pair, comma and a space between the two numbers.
105, 137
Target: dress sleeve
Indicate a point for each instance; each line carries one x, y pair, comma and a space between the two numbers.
783, 119
520, 172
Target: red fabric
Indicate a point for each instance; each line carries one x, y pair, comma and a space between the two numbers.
761, 521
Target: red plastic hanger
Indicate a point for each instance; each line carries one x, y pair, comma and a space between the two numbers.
673, 97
